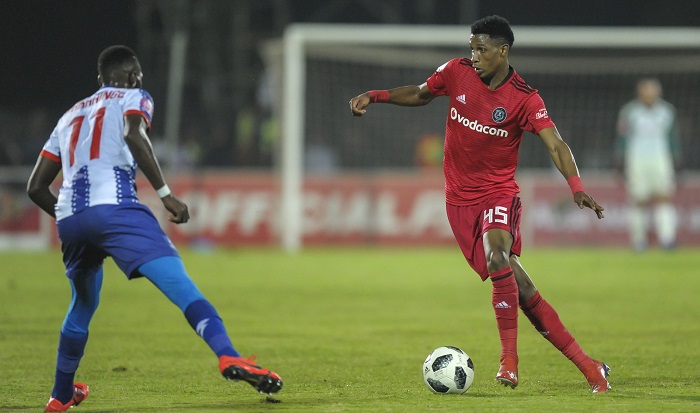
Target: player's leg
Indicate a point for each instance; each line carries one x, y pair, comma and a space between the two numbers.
85, 286
83, 262
639, 190
140, 248
662, 186
169, 275
171, 278
134, 239
638, 226
665, 217
547, 322
474, 228
666, 223
497, 246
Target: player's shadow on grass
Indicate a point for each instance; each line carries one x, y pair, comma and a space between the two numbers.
262, 405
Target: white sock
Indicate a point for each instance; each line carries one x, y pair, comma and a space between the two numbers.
638, 227
666, 222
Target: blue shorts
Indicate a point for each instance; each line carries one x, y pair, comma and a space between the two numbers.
130, 234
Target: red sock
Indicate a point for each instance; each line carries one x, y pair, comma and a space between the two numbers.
505, 304
546, 320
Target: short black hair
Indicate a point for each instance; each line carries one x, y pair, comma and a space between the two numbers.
113, 57
496, 27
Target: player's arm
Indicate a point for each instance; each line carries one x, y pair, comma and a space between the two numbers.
401, 96
621, 139
674, 140
565, 163
136, 137
39, 184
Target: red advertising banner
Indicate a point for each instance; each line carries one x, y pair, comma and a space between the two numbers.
244, 209
551, 218
21, 224
230, 209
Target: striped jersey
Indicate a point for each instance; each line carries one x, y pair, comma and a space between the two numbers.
483, 131
88, 141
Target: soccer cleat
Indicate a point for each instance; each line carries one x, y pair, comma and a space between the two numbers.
508, 372
596, 374
239, 368
80, 393
55, 405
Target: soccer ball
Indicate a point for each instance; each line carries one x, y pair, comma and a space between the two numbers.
448, 370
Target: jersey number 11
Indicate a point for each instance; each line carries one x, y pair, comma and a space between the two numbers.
77, 123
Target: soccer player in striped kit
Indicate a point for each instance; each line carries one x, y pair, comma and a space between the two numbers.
97, 144
490, 108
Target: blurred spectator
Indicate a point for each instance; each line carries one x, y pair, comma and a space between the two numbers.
648, 148
257, 130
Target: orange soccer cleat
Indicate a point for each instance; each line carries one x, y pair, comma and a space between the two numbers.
80, 393
239, 368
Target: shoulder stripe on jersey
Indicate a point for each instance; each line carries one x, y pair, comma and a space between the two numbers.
522, 89
140, 113
465, 62
48, 155
527, 92
521, 83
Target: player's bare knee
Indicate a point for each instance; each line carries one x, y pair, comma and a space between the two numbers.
497, 259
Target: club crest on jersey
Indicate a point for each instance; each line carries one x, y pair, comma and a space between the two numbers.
147, 106
499, 114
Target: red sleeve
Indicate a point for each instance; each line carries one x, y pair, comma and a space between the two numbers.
50, 156
140, 113
534, 116
438, 83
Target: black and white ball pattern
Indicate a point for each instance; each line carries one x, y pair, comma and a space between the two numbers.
448, 370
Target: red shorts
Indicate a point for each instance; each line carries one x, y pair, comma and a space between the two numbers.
469, 223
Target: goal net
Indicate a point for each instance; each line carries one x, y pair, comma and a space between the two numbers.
583, 74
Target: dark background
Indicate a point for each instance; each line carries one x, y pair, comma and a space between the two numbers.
49, 50
49, 47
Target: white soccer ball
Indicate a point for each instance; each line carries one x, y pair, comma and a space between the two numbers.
448, 370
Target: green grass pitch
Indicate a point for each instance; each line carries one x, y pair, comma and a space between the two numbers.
348, 330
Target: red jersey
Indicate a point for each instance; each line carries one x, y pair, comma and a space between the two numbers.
483, 131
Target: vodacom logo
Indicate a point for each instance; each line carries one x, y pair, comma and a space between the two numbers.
476, 126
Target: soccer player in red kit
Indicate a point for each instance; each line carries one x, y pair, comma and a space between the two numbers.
490, 108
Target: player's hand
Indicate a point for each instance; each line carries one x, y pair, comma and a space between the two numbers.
582, 199
359, 103
178, 210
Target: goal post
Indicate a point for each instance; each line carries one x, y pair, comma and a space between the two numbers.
623, 51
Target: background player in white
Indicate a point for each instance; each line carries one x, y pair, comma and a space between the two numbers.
648, 147
97, 144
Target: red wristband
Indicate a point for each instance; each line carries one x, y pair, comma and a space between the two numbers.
378, 96
575, 184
